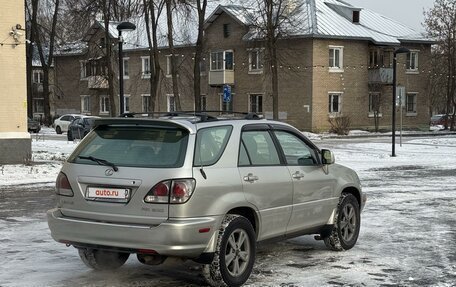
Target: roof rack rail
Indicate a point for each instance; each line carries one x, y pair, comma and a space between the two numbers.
203, 116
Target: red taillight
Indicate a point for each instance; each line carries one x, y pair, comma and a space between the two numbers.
181, 190
159, 193
63, 186
160, 190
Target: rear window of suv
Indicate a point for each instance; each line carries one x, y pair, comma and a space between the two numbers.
134, 146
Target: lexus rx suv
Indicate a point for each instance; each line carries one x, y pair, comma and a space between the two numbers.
200, 188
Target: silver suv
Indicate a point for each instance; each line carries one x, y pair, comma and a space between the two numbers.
202, 189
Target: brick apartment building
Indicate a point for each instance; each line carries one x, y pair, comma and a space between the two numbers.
337, 61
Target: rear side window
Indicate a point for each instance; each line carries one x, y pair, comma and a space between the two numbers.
210, 144
134, 146
257, 148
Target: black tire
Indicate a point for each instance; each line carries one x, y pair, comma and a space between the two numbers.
220, 272
102, 260
69, 136
346, 228
58, 130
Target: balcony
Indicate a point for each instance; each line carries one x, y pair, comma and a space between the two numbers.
382, 76
97, 82
221, 77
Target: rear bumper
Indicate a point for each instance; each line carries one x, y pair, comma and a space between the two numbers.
174, 237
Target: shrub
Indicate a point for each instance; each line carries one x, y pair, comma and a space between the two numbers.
340, 125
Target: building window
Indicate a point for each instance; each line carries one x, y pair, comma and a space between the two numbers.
145, 63
226, 30
171, 103
412, 61
126, 103
202, 66
410, 104
219, 58
145, 103
203, 103
169, 66
38, 105
335, 100
104, 105
37, 76
216, 61
256, 103
85, 104
336, 56
374, 104
373, 58
256, 60
226, 107
84, 69
126, 74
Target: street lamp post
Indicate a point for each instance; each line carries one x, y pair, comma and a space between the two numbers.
124, 26
397, 51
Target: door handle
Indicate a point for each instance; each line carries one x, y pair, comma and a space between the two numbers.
298, 175
250, 178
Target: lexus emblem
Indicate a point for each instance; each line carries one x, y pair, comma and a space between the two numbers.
109, 172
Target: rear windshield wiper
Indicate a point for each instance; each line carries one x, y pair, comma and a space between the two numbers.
100, 161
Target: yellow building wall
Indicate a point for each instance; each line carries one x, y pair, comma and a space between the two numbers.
14, 139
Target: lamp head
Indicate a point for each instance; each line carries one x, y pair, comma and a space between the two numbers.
126, 27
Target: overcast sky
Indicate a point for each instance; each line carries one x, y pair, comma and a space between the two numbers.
408, 12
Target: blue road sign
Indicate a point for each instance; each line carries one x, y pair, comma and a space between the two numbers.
226, 93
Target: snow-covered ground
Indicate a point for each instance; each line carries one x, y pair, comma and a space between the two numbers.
408, 234
47, 158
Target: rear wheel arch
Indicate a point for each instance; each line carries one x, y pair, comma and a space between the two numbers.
248, 213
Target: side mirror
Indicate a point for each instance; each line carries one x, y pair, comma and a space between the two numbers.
327, 157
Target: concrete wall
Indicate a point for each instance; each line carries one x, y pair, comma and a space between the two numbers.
15, 143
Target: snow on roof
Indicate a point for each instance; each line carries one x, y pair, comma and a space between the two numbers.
333, 19
74, 48
314, 18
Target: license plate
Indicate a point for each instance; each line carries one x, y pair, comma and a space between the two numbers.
108, 194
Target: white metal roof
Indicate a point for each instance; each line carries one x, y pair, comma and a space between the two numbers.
314, 18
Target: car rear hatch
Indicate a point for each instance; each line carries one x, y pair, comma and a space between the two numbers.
121, 163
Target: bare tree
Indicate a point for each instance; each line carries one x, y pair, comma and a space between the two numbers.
273, 20
152, 12
170, 5
43, 35
437, 83
201, 6
441, 24
82, 12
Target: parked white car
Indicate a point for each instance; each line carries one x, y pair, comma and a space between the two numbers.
61, 124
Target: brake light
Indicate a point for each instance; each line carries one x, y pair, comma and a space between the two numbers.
171, 191
159, 193
62, 185
182, 190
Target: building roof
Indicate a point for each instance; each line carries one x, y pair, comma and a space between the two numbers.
330, 19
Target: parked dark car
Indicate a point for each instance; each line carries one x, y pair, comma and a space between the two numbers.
33, 126
80, 127
441, 120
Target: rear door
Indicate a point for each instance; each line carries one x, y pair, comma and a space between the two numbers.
266, 181
313, 189
145, 157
